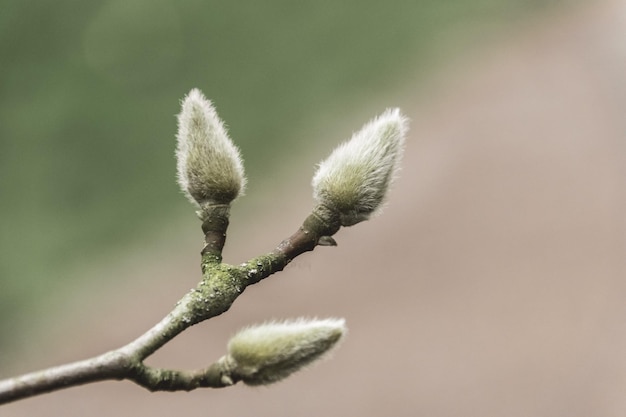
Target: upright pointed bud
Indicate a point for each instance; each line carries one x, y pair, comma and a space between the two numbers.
353, 181
210, 169
270, 352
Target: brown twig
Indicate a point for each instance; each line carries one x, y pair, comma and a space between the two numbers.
220, 286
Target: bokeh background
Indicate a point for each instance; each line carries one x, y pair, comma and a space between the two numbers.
493, 284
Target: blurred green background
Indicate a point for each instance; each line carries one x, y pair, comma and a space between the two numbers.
89, 91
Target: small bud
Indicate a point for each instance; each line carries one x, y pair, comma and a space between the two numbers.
269, 352
354, 179
210, 169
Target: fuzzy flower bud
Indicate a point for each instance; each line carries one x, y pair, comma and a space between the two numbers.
210, 169
354, 179
270, 352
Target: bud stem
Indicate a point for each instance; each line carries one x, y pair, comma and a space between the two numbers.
319, 224
214, 226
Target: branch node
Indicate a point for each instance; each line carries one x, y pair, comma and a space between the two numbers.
326, 241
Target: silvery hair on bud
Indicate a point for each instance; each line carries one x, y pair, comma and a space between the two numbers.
269, 352
210, 169
355, 178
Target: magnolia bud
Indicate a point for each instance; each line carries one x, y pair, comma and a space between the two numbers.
210, 169
354, 179
269, 352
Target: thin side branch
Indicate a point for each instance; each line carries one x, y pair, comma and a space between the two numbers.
155, 379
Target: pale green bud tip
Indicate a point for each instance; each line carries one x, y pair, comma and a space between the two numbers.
355, 178
210, 169
269, 352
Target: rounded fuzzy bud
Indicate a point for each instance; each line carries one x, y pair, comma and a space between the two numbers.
210, 169
267, 353
354, 179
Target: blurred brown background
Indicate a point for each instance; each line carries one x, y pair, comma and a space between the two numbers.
492, 285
